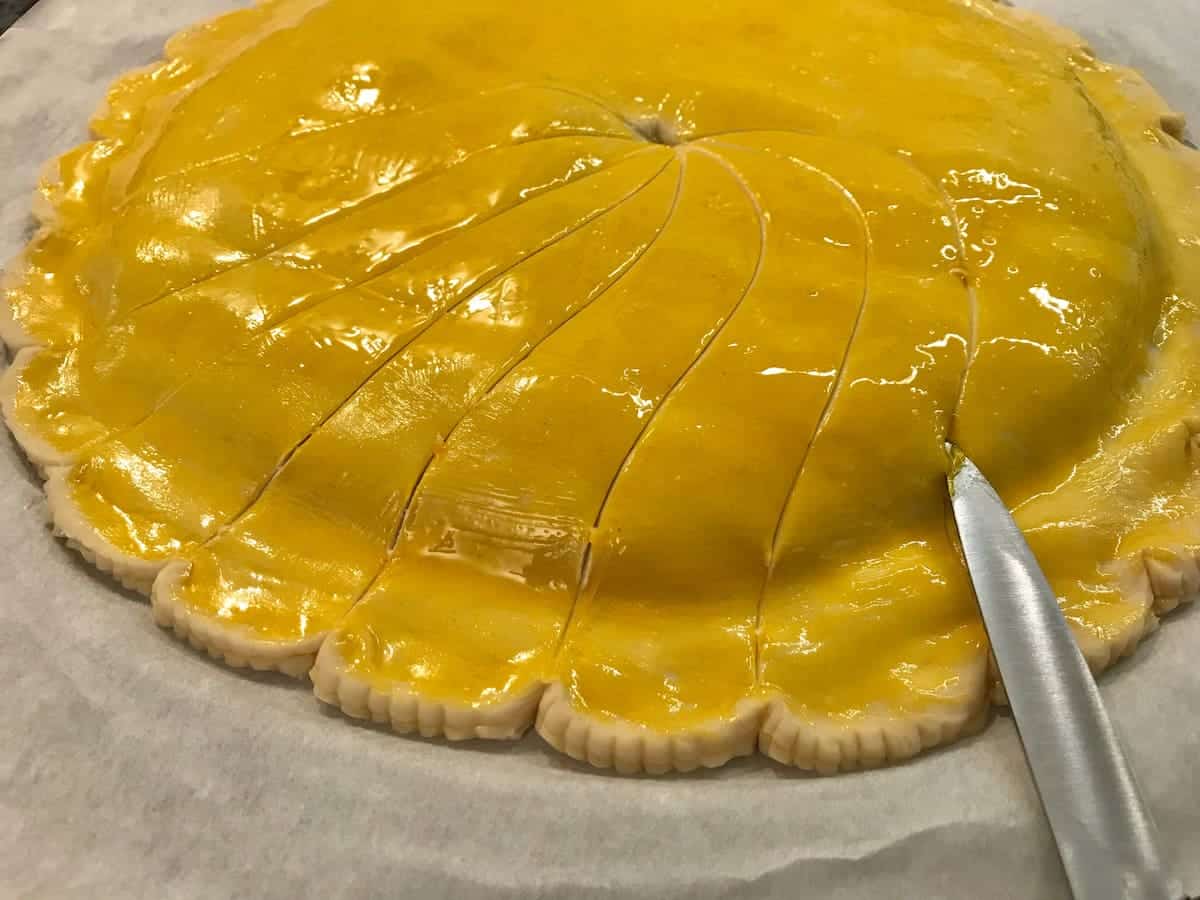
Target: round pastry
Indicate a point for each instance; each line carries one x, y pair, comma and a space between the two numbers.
590, 366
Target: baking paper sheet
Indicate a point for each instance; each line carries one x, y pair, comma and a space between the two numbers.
133, 767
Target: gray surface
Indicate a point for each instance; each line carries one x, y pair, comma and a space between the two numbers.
131, 767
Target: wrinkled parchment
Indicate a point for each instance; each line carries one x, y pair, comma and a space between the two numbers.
133, 767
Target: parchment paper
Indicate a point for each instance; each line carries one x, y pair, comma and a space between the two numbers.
133, 767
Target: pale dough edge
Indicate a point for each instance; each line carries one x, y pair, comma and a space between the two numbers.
610, 743
219, 29
763, 724
1165, 581
407, 712
12, 333
230, 646
39, 452
70, 524
1159, 580
606, 744
778, 733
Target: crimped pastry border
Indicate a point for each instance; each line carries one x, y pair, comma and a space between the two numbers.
1159, 579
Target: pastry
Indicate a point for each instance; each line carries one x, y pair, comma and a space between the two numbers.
590, 367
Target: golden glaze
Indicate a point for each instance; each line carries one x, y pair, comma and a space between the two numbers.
616, 346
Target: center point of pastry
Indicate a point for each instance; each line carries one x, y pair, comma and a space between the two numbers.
656, 130
384, 356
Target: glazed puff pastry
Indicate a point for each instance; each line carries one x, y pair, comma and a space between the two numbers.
589, 366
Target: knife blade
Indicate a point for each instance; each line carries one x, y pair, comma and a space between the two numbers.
11, 10
1106, 837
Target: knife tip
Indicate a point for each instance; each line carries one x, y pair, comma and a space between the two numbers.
957, 461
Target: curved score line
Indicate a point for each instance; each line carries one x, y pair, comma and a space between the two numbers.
826, 411
185, 94
402, 519
302, 308
587, 98
392, 354
379, 113
495, 382
963, 269
968, 280
314, 226
773, 548
585, 562
1116, 149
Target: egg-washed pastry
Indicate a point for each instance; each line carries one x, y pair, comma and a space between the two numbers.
590, 366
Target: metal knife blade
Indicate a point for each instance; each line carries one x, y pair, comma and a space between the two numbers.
1105, 835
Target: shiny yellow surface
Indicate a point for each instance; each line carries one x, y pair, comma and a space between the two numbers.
617, 344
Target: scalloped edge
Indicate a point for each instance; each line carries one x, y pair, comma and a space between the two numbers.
612, 743
1134, 585
822, 745
1164, 580
222, 29
43, 456
827, 748
407, 712
44, 213
222, 643
70, 524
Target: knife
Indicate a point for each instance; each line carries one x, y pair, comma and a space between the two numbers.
1106, 838
11, 10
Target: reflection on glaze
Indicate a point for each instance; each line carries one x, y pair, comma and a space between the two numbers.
637, 380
